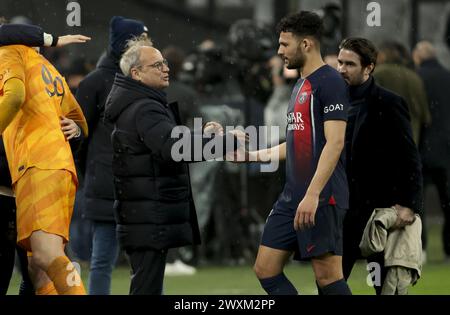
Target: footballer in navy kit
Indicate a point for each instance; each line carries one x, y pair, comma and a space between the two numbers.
308, 216
320, 97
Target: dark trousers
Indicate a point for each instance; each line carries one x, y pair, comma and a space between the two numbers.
8, 249
352, 235
7, 252
439, 176
349, 260
147, 267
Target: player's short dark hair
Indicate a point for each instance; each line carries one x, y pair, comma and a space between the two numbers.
364, 48
302, 24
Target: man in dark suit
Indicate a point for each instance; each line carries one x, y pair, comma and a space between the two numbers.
383, 163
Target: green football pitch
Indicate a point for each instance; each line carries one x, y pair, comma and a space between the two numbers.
241, 280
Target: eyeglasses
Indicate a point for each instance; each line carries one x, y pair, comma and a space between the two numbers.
158, 65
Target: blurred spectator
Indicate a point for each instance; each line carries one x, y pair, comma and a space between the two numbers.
76, 72
331, 60
283, 80
447, 32
436, 138
186, 97
216, 186
393, 72
251, 45
95, 159
79, 248
178, 91
331, 15
59, 57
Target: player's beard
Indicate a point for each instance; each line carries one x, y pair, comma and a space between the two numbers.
298, 61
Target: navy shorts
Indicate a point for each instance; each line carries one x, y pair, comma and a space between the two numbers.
324, 237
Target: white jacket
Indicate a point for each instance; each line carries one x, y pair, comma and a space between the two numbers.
402, 249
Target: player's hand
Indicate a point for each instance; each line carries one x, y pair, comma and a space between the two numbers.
241, 136
71, 39
69, 128
213, 127
405, 216
306, 212
241, 154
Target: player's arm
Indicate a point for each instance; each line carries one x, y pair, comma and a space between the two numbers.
72, 111
34, 36
335, 140
14, 34
11, 101
277, 153
73, 122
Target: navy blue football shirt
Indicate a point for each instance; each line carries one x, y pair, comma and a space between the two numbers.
315, 99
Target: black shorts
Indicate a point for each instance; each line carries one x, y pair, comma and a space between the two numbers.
324, 237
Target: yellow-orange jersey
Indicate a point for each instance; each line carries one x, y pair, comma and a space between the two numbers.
34, 138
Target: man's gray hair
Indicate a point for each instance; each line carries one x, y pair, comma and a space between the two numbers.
131, 57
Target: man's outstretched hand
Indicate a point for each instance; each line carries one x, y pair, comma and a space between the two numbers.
71, 39
213, 127
240, 155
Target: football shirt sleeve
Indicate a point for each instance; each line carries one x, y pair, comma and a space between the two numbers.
12, 87
334, 99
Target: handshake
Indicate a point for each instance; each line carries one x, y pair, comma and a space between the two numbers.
268, 157
241, 154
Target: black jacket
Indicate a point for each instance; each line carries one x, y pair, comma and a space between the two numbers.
94, 160
383, 163
435, 147
5, 175
19, 34
154, 206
